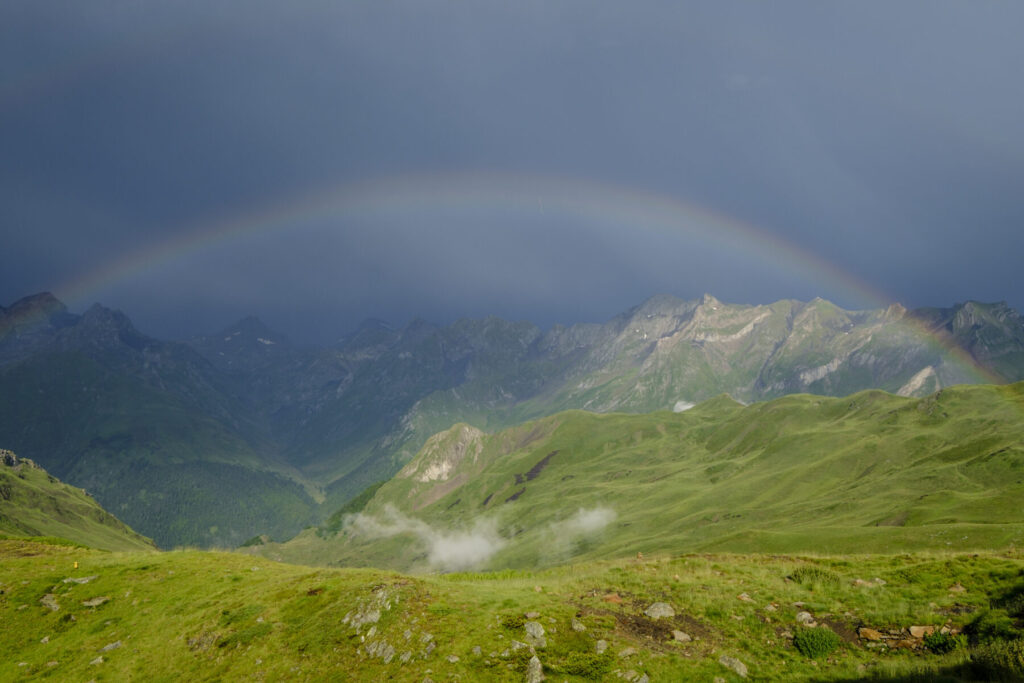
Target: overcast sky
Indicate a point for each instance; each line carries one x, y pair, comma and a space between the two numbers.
317, 163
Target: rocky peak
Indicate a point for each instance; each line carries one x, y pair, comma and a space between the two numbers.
35, 312
443, 453
9, 459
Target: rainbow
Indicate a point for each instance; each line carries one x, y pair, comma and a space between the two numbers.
595, 202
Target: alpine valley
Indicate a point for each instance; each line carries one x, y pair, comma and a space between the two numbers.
221, 438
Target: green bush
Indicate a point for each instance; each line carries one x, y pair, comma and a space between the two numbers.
513, 622
586, 665
990, 626
942, 643
1001, 660
816, 642
815, 576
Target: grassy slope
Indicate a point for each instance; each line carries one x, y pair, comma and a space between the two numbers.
146, 454
190, 615
33, 503
867, 473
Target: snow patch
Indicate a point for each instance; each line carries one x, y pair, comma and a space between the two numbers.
261, 340
682, 406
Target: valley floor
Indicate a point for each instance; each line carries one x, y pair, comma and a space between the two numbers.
70, 613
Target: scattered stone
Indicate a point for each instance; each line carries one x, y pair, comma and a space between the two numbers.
112, 646
805, 618
505, 654
681, 636
79, 579
770, 607
50, 600
921, 631
477, 650
22, 663
578, 626
659, 610
516, 645
744, 597
52, 663
538, 589
613, 598
880, 582
630, 675
862, 582
426, 638
719, 679
957, 588
535, 634
532, 615
381, 649
869, 633
644, 678
407, 635
452, 659
906, 644
601, 646
628, 652
732, 663
406, 656
98, 660
534, 671
45, 640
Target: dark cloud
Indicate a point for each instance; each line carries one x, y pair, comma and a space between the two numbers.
883, 138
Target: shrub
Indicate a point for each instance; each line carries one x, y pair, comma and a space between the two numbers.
941, 643
990, 626
816, 642
815, 576
1001, 660
513, 622
586, 665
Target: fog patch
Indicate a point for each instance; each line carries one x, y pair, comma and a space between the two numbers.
682, 406
570, 536
447, 550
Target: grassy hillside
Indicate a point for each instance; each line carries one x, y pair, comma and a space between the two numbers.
34, 503
871, 472
191, 615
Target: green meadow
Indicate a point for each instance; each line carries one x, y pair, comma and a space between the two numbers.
199, 615
871, 472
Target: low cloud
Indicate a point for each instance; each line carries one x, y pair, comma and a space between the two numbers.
682, 406
446, 550
584, 523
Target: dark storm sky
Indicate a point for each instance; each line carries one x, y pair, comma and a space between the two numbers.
884, 140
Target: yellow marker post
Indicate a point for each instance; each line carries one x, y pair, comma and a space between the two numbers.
76, 564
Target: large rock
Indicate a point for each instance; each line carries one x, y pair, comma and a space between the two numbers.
732, 663
535, 634
659, 610
534, 671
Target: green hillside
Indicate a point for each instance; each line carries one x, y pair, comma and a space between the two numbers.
206, 616
870, 472
34, 503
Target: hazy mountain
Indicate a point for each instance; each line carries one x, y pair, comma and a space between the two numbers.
243, 432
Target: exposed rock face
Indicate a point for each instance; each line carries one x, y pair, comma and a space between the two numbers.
444, 453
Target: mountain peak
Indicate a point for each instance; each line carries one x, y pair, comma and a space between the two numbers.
34, 311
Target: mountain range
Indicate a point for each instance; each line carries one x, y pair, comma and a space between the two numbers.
213, 440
